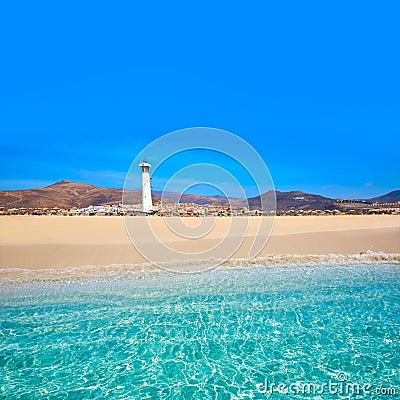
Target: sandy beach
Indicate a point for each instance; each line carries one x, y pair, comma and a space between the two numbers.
56, 242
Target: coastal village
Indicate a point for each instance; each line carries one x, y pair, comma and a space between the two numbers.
345, 207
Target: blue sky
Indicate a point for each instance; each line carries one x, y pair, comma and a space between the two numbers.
312, 86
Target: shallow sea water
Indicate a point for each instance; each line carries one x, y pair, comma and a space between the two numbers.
223, 334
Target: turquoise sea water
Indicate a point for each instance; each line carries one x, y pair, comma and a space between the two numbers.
224, 334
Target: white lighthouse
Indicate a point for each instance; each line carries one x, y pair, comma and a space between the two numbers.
147, 203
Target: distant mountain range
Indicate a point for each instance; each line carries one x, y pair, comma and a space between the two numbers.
66, 194
63, 194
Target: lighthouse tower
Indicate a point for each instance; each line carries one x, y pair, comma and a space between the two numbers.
147, 203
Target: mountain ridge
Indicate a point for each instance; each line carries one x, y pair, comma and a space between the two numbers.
67, 194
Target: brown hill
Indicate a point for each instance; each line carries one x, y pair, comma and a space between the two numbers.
294, 200
391, 197
63, 194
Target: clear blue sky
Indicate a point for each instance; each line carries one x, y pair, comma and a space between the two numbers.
313, 86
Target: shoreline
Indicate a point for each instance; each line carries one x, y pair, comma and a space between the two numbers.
98, 273
37, 244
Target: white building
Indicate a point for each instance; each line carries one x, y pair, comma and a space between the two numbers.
147, 203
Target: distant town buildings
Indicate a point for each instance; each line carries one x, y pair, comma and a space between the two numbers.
168, 209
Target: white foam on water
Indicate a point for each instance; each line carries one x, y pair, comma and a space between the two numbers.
116, 271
